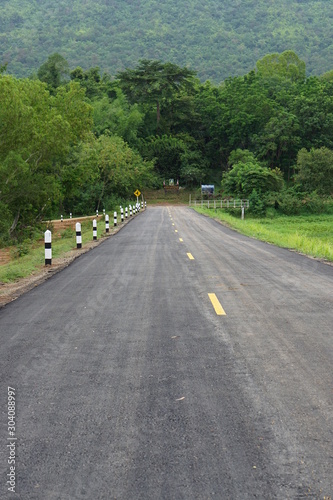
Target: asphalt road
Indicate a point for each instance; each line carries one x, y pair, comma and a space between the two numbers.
129, 385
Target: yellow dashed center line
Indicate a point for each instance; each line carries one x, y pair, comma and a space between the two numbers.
181, 239
190, 256
176, 230
216, 304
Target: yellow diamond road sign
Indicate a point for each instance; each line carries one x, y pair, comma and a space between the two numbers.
137, 193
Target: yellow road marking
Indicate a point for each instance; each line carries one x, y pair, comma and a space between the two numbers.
180, 239
173, 223
176, 230
216, 304
190, 256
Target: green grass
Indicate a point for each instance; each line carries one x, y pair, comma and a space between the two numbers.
33, 260
156, 196
308, 234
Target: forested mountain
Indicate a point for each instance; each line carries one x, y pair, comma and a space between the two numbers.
216, 38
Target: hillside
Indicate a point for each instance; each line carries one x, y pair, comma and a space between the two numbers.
217, 38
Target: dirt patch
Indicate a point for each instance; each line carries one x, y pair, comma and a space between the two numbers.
5, 256
58, 224
11, 291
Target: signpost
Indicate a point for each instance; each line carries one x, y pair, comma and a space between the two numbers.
137, 194
207, 189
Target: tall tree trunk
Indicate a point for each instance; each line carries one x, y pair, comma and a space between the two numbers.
13, 226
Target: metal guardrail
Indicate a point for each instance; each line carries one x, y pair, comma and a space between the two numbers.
219, 203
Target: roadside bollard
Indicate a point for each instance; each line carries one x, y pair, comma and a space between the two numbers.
142, 204
130, 209
61, 218
145, 204
96, 213
115, 219
122, 214
70, 215
243, 210
94, 229
126, 213
78, 235
103, 211
107, 226
48, 249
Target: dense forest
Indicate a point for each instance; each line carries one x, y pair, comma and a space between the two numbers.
216, 38
75, 140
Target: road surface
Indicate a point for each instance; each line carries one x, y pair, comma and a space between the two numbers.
177, 360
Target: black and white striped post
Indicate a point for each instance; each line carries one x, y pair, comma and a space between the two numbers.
48, 249
126, 213
115, 219
78, 235
142, 204
103, 211
96, 213
107, 226
130, 209
122, 214
70, 215
61, 218
94, 229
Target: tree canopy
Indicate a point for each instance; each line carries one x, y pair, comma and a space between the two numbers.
85, 138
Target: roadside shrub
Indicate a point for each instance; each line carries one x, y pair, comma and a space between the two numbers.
257, 204
243, 178
314, 204
22, 249
289, 203
292, 201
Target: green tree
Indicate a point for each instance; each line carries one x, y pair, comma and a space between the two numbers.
286, 65
96, 85
115, 167
117, 117
241, 156
279, 137
313, 107
166, 152
243, 178
155, 83
54, 72
315, 170
36, 133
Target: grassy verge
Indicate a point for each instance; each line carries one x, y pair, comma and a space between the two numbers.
308, 234
62, 242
